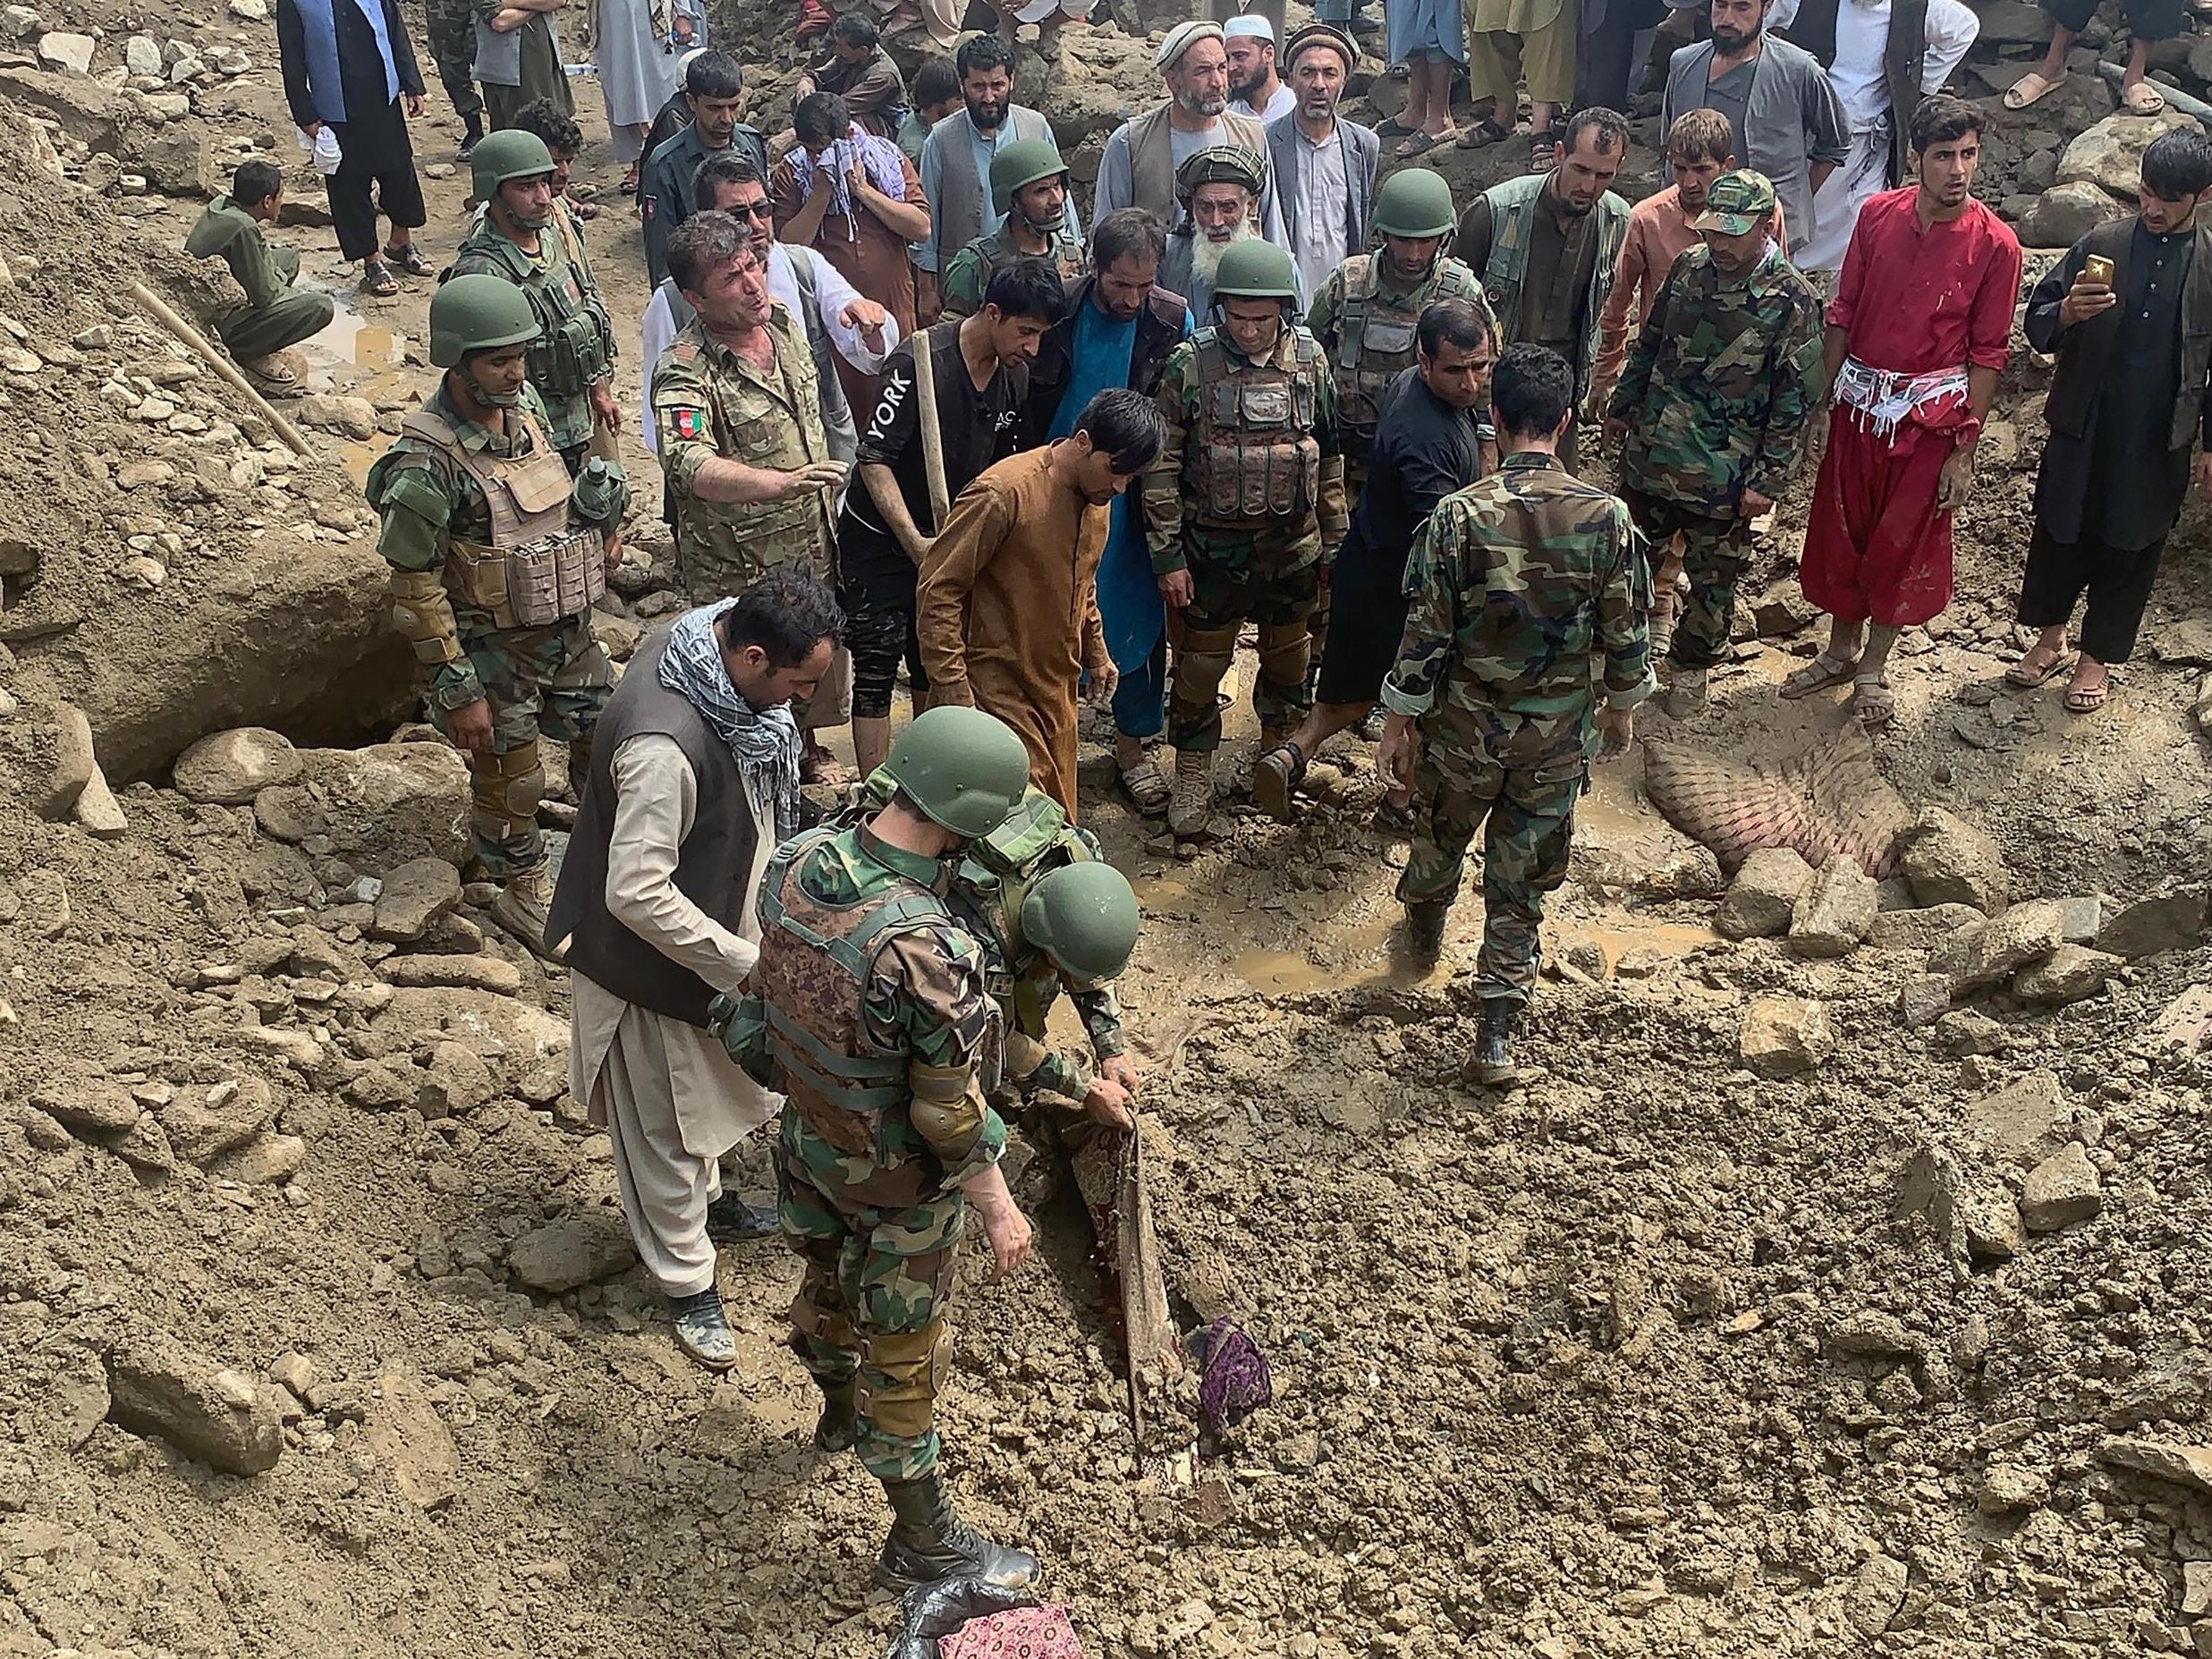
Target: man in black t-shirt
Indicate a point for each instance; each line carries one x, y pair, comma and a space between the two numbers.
1427, 444
981, 370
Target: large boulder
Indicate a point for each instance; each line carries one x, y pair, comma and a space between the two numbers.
230, 768
2110, 154
2024, 935
1099, 79
379, 806
2064, 214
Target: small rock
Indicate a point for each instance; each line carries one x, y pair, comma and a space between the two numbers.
1761, 897
1920, 929
1964, 1031
2196, 1588
140, 474
2023, 934
1923, 1001
331, 411
1835, 912
218, 1416
458, 1080
22, 23
1785, 1037
2021, 1119
479, 973
1876, 1594
2061, 1190
141, 54
2071, 974
2006, 1488
228, 1116
145, 1146
2167, 921
438, 170
94, 1106
74, 764
266, 1162
1949, 862
575, 1251
404, 1432
250, 11
1871, 1335
294, 1371
414, 896
98, 812
2180, 1466
66, 50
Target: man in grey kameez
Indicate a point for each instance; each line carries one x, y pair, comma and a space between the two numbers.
694, 777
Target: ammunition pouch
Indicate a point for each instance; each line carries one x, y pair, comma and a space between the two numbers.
531, 586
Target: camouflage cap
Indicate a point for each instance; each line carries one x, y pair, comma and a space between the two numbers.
1737, 203
1220, 164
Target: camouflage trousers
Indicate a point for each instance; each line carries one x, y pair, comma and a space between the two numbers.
1224, 597
451, 31
870, 1307
553, 680
1526, 815
1714, 554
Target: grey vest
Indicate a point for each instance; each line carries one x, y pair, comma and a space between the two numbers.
712, 866
956, 214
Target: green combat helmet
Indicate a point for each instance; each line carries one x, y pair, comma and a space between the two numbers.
1023, 162
965, 769
1415, 202
511, 154
1083, 916
477, 313
1256, 270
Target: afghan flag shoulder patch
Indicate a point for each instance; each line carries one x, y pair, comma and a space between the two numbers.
688, 424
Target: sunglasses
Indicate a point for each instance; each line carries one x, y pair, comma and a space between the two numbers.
752, 210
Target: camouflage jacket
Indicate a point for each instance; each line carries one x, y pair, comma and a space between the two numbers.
1718, 383
1529, 593
989, 886
1284, 544
927, 998
1363, 368
577, 346
968, 273
426, 501
708, 403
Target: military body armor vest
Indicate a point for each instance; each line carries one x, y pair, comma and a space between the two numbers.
1381, 336
536, 567
575, 341
815, 961
1254, 456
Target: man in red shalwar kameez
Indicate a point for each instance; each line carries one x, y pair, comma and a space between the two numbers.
1917, 336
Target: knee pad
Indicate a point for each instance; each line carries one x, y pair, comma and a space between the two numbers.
1203, 655
505, 791
1282, 649
901, 1372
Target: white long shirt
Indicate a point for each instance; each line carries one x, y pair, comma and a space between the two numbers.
1862, 37
832, 292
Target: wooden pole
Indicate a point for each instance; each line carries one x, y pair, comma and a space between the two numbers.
932, 437
223, 365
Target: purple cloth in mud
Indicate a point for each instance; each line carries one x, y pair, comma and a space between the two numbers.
1236, 1381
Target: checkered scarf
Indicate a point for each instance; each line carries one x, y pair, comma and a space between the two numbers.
763, 741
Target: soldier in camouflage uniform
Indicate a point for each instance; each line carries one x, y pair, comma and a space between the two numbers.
1529, 594
522, 235
1030, 191
869, 1009
1710, 409
1365, 317
451, 25
1248, 489
742, 441
496, 555
1053, 915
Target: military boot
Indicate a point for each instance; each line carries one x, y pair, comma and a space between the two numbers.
1686, 698
838, 1428
521, 908
703, 1329
1192, 803
928, 1543
1275, 777
1424, 931
471, 135
1493, 1060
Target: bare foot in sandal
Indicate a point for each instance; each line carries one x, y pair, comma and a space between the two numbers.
2091, 685
1818, 675
2032, 87
2044, 659
1871, 703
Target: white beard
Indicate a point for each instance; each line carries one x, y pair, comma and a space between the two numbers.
1206, 253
